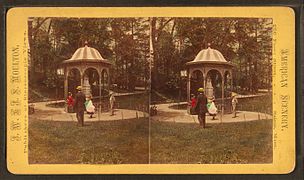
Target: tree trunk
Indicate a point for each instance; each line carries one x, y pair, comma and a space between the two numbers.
255, 82
31, 54
153, 66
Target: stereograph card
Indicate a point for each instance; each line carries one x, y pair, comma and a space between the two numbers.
150, 90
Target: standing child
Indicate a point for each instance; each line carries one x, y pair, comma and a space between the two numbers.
90, 107
192, 104
212, 110
70, 102
234, 102
112, 103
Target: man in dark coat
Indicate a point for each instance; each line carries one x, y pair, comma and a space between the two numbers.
201, 107
79, 106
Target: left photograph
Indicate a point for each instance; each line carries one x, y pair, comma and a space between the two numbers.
88, 90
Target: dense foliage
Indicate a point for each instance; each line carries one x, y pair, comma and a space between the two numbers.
168, 43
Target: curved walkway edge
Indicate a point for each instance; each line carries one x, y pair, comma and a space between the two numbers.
166, 114
44, 112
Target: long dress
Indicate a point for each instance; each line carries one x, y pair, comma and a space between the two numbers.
234, 102
192, 106
89, 106
112, 103
212, 108
70, 102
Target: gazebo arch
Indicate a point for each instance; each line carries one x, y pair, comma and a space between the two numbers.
86, 59
104, 79
74, 78
196, 80
214, 66
228, 83
214, 88
91, 85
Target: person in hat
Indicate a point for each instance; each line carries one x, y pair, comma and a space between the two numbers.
234, 102
112, 103
79, 106
201, 107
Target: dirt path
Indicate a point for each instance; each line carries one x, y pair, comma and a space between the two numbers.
44, 112
164, 113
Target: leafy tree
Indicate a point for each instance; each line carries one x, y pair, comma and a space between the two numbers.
160, 44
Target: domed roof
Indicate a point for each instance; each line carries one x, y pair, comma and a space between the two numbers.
87, 54
209, 55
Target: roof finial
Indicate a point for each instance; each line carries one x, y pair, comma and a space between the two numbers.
86, 43
209, 44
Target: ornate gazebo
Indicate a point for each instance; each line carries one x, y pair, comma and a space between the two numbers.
211, 71
86, 68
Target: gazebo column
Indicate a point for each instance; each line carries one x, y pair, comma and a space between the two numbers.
100, 85
66, 87
108, 76
188, 87
231, 83
188, 90
232, 90
223, 101
81, 78
205, 82
204, 79
99, 104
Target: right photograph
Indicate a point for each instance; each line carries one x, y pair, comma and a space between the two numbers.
211, 90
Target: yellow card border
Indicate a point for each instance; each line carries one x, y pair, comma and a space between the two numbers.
17, 82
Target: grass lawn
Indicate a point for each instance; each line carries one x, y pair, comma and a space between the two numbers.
176, 143
110, 142
136, 101
261, 104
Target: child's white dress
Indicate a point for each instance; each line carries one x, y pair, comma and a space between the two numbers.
212, 108
90, 107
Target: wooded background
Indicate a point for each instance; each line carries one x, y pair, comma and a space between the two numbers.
162, 46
